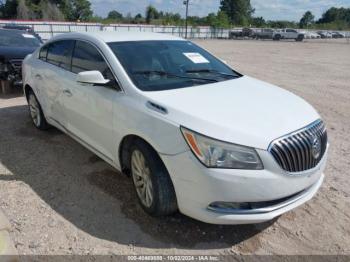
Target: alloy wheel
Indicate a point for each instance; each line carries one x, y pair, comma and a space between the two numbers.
34, 110
141, 175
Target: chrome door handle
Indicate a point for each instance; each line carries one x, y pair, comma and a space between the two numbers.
67, 92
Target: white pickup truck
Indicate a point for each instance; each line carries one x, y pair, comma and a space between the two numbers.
287, 34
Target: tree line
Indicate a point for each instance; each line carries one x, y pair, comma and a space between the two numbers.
231, 13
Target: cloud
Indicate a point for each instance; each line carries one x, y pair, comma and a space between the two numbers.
197, 7
269, 9
294, 9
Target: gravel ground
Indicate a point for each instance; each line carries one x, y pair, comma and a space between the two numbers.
61, 199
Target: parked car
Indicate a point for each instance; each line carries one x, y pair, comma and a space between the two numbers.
15, 45
235, 34
264, 33
337, 35
324, 34
287, 34
193, 133
311, 35
238, 33
28, 29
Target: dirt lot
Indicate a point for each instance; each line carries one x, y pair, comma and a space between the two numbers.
61, 199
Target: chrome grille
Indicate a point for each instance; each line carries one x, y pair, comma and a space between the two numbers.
301, 150
16, 64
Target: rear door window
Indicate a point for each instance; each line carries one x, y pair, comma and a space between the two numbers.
60, 53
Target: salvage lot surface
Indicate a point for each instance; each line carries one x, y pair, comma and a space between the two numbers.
61, 199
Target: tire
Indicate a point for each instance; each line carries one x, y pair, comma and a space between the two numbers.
36, 113
277, 37
300, 38
151, 180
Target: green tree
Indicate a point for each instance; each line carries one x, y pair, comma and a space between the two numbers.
307, 19
219, 20
210, 19
151, 14
8, 9
23, 10
258, 21
78, 10
138, 16
281, 24
170, 18
238, 11
115, 15
50, 10
138, 19
334, 14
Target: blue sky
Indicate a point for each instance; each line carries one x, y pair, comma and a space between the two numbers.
269, 9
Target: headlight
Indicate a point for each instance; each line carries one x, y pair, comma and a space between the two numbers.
217, 154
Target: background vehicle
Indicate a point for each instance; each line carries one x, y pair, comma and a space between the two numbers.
129, 98
245, 32
265, 33
28, 29
15, 45
324, 34
311, 35
287, 34
337, 35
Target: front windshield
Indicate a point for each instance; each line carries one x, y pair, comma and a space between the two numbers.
14, 39
165, 65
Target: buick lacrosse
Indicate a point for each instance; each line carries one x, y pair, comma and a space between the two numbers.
193, 134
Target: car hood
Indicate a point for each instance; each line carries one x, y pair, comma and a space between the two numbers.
8, 52
243, 111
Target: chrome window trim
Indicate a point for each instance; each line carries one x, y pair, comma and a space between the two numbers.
120, 89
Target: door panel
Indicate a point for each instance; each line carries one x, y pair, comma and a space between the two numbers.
53, 76
90, 116
89, 108
55, 81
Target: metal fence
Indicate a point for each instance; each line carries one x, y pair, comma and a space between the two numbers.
48, 29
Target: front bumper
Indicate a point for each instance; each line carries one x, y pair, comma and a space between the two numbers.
197, 187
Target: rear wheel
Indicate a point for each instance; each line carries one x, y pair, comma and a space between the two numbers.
277, 37
36, 112
151, 180
299, 38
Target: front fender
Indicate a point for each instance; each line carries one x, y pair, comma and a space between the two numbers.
135, 118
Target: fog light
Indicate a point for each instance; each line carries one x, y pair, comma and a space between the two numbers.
229, 205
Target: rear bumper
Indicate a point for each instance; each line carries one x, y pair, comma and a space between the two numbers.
197, 187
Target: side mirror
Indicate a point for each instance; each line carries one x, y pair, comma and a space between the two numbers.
92, 77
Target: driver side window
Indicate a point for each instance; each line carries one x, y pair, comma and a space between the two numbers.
87, 58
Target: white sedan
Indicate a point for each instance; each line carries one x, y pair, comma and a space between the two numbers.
193, 134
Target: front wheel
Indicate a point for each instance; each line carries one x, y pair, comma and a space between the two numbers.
152, 182
277, 38
36, 112
299, 38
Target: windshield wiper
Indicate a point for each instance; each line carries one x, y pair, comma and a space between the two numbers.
210, 71
164, 73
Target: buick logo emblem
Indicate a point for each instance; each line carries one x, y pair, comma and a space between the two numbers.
316, 147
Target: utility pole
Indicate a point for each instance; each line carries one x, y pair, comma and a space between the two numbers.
186, 2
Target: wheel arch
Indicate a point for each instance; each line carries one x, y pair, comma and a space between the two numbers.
27, 89
123, 151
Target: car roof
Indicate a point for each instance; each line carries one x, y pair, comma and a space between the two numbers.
16, 26
15, 31
115, 36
